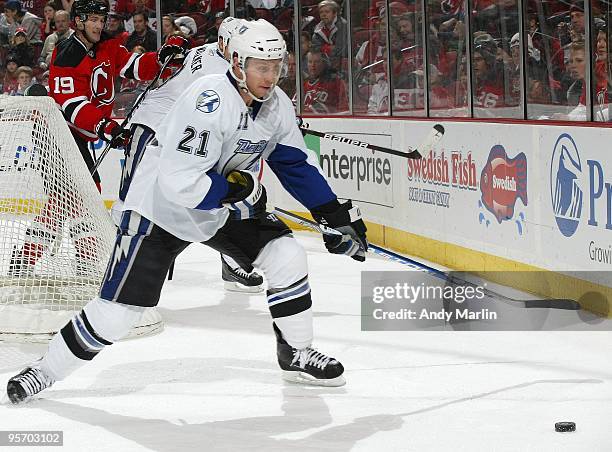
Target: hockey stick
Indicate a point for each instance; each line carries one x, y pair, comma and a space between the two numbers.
435, 135
127, 118
557, 303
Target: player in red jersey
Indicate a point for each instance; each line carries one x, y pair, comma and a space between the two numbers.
81, 80
83, 71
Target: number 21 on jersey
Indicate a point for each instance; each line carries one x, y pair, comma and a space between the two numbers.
189, 134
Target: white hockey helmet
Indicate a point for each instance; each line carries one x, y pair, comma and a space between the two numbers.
226, 28
257, 39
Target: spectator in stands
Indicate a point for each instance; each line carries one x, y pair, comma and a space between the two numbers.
37, 7
514, 69
439, 96
576, 69
207, 6
67, 5
10, 84
324, 92
576, 94
143, 35
404, 31
374, 49
378, 102
488, 92
127, 8
244, 11
14, 17
447, 45
406, 39
24, 79
47, 26
63, 31
536, 68
600, 76
168, 27
287, 84
22, 49
305, 46
266, 4
115, 28
577, 18
330, 35
44, 79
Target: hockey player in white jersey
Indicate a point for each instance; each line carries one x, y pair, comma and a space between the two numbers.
195, 185
200, 61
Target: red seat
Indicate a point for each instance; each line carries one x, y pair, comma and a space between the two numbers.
285, 20
266, 14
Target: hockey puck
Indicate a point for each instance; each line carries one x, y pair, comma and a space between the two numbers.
565, 426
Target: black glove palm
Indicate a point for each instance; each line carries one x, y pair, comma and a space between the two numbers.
346, 219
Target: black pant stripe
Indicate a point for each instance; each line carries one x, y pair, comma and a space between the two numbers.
74, 344
291, 307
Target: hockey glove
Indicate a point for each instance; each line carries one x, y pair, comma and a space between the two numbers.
346, 219
111, 131
175, 48
246, 197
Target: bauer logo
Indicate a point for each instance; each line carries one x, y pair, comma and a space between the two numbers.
565, 187
503, 181
208, 101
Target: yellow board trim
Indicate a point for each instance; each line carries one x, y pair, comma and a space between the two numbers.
16, 206
591, 296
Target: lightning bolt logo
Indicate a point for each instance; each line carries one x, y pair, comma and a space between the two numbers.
121, 252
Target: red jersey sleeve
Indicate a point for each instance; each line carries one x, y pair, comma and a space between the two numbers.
136, 66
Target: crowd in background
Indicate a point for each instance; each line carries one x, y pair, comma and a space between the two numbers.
329, 57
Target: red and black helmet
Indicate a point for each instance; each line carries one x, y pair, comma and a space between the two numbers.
83, 8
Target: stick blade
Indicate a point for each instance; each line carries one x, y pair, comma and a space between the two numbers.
439, 128
433, 137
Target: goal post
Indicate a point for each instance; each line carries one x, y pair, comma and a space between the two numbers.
56, 234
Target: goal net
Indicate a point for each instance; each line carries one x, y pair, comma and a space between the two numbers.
56, 234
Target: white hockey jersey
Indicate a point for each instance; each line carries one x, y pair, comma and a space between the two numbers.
200, 61
209, 132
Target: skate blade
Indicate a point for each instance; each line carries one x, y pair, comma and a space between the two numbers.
237, 287
307, 379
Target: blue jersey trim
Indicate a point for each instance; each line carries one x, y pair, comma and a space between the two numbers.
300, 178
218, 190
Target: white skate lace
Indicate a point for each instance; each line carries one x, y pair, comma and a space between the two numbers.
240, 272
310, 356
34, 381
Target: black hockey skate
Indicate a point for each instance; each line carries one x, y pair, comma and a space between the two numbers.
238, 280
307, 365
29, 382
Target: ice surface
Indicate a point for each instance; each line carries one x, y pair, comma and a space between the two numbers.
210, 380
